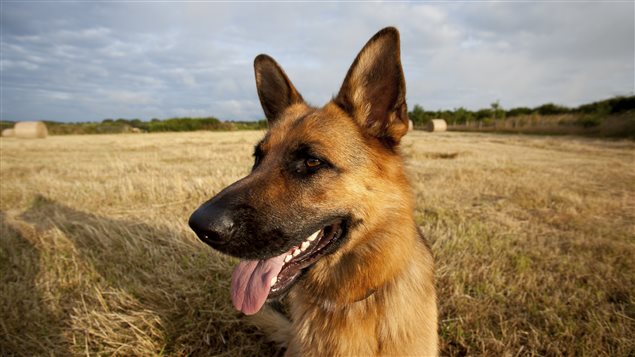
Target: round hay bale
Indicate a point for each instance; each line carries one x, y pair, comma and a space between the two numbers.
30, 130
437, 125
7, 133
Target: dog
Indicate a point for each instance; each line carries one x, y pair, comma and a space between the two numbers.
325, 218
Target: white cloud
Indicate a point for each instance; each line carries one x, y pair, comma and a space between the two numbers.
92, 34
11, 64
124, 97
58, 95
89, 61
184, 76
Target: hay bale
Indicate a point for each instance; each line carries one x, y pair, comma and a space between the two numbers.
437, 125
7, 133
30, 130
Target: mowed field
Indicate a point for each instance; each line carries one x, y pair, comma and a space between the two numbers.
534, 241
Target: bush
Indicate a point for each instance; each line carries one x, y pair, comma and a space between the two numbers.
418, 116
589, 121
552, 109
519, 111
483, 114
4, 124
622, 104
462, 116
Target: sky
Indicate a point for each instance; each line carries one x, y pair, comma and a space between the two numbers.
87, 61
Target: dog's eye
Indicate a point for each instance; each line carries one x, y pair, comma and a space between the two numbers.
312, 163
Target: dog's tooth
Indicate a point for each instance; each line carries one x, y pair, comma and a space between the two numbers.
288, 258
274, 280
313, 236
304, 246
296, 252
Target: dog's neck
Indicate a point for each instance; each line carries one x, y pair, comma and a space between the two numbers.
361, 305
381, 256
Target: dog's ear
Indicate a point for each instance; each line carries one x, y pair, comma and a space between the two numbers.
275, 90
374, 90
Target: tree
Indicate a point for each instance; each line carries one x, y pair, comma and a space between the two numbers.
418, 115
483, 114
518, 111
462, 116
551, 109
497, 111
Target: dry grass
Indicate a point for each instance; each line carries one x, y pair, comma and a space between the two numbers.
534, 239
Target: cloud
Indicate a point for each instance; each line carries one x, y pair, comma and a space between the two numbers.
90, 61
16, 65
129, 98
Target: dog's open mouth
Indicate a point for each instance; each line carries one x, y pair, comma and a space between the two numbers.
253, 281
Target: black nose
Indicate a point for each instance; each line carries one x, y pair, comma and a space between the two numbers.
212, 224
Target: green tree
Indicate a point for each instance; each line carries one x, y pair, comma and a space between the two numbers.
518, 111
551, 109
462, 116
497, 111
483, 114
418, 115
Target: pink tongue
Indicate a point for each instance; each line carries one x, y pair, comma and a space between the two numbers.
251, 282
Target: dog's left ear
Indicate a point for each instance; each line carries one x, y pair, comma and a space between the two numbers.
374, 90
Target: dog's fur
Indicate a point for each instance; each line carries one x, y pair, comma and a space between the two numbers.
374, 295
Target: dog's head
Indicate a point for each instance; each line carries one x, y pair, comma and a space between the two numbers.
322, 179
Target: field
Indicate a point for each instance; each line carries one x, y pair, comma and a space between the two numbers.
534, 241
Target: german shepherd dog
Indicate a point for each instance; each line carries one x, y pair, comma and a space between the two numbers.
325, 218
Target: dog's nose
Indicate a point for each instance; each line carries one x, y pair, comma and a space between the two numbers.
211, 224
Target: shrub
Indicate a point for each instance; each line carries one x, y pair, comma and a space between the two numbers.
552, 109
519, 111
418, 115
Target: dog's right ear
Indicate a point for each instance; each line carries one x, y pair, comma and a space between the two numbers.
275, 90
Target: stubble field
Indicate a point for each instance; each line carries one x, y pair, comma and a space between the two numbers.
534, 241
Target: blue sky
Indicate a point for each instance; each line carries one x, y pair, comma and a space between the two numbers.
81, 61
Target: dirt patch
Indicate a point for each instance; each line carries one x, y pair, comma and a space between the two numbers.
439, 155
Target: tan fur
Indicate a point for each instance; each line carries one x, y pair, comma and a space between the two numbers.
384, 257
277, 326
375, 295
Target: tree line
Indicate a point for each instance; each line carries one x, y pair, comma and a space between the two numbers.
586, 116
122, 125
590, 114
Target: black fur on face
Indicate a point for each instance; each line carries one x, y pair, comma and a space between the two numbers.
253, 234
